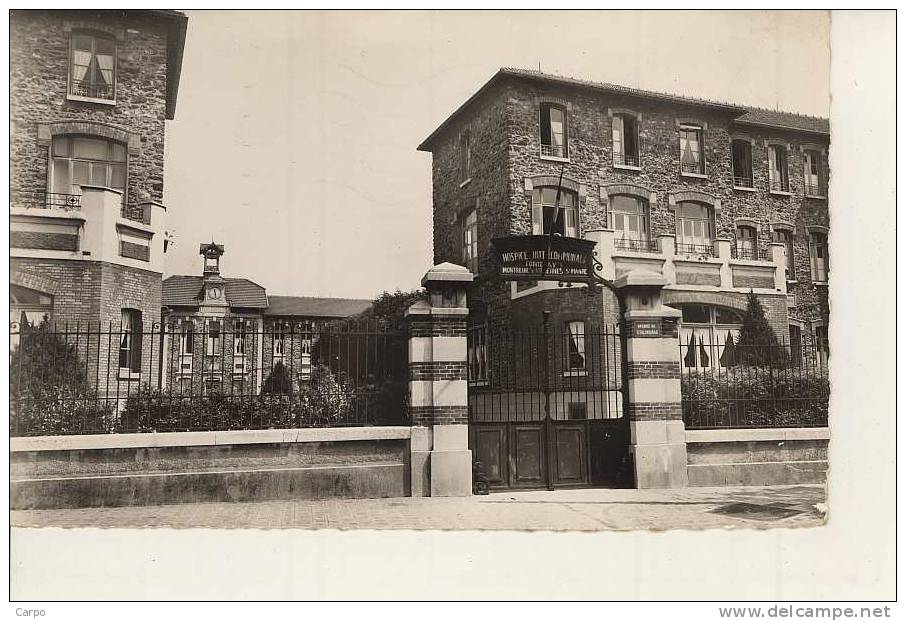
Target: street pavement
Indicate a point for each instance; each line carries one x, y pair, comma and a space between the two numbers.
561, 510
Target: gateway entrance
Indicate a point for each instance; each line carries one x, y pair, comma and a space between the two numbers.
546, 407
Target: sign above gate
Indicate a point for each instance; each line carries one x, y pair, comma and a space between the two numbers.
544, 257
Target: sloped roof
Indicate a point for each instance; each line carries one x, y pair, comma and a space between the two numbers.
289, 305
745, 114
785, 120
186, 291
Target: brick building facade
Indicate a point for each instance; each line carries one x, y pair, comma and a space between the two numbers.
90, 92
714, 196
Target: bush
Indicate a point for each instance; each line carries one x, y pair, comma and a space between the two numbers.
755, 397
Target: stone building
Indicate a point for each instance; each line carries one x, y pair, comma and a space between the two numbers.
90, 93
226, 335
721, 199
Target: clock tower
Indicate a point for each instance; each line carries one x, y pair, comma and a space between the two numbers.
213, 292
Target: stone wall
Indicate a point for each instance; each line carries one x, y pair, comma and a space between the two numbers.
39, 65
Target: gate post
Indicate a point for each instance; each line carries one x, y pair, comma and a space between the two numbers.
657, 433
441, 462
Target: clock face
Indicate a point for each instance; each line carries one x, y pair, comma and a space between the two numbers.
214, 293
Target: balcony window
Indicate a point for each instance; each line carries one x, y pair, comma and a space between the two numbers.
131, 340
554, 215
694, 228
742, 164
629, 218
93, 67
746, 243
814, 182
692, 160
817, 249
554, 131
465, 156
82, 160
470, 241
625, 140
785, 237
778, 171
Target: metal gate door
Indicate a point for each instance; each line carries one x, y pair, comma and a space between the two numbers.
546, 406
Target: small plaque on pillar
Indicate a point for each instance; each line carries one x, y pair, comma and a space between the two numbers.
646, 328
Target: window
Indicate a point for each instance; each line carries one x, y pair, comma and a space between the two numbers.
576, 345
692, 160
93, 66
83, 160
553, 216
478, 354
795, 345
746, 243
212, 346
778, 173
785, 237
470, 241
742, 164
239, 330
186, 346
465, 156
629, 218
817, 250
814, 182
279, 341
29, 306
823, 345
625, 140
694, 228
704, 333
554, 134
131, 340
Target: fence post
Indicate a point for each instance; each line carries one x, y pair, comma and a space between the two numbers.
441, 462
657, 433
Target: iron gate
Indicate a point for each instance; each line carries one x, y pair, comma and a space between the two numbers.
546, 406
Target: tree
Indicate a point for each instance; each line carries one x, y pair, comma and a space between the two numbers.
757, 345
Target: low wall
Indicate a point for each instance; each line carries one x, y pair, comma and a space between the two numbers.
723, 457
163, 468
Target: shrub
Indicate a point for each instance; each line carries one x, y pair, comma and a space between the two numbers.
757, 344
755, 397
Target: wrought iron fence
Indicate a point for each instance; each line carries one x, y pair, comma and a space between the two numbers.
743, 182
779, 185
563, 373
699, 249
95, 90
813, 188
749, 254
41, 199
695, 168
627, 159
637, 245
204, 375
554, 150
725, 385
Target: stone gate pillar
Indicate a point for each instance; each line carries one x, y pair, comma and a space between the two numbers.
441, 462
657, 433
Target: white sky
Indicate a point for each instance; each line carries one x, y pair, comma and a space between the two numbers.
295, 132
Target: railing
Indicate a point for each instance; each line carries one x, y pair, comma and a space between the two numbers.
188, 376
626, 159
698, 249
554, 150
749, 254
743, 182
84, 88
637, 245
728, 385
779, 185
815, 189
41, 199
694, 168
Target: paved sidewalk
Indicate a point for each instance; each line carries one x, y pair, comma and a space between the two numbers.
585, 510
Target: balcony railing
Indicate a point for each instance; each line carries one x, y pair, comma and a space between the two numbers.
692, 168
626, 159
84, 88
637, 245
40, 199
743, 182
779, 185
749, 254
706, 250
813, 188
554, 150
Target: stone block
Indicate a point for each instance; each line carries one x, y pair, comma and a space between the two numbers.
660, 466
451, 473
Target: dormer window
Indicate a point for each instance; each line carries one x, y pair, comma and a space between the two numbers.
92, 67
554, 131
